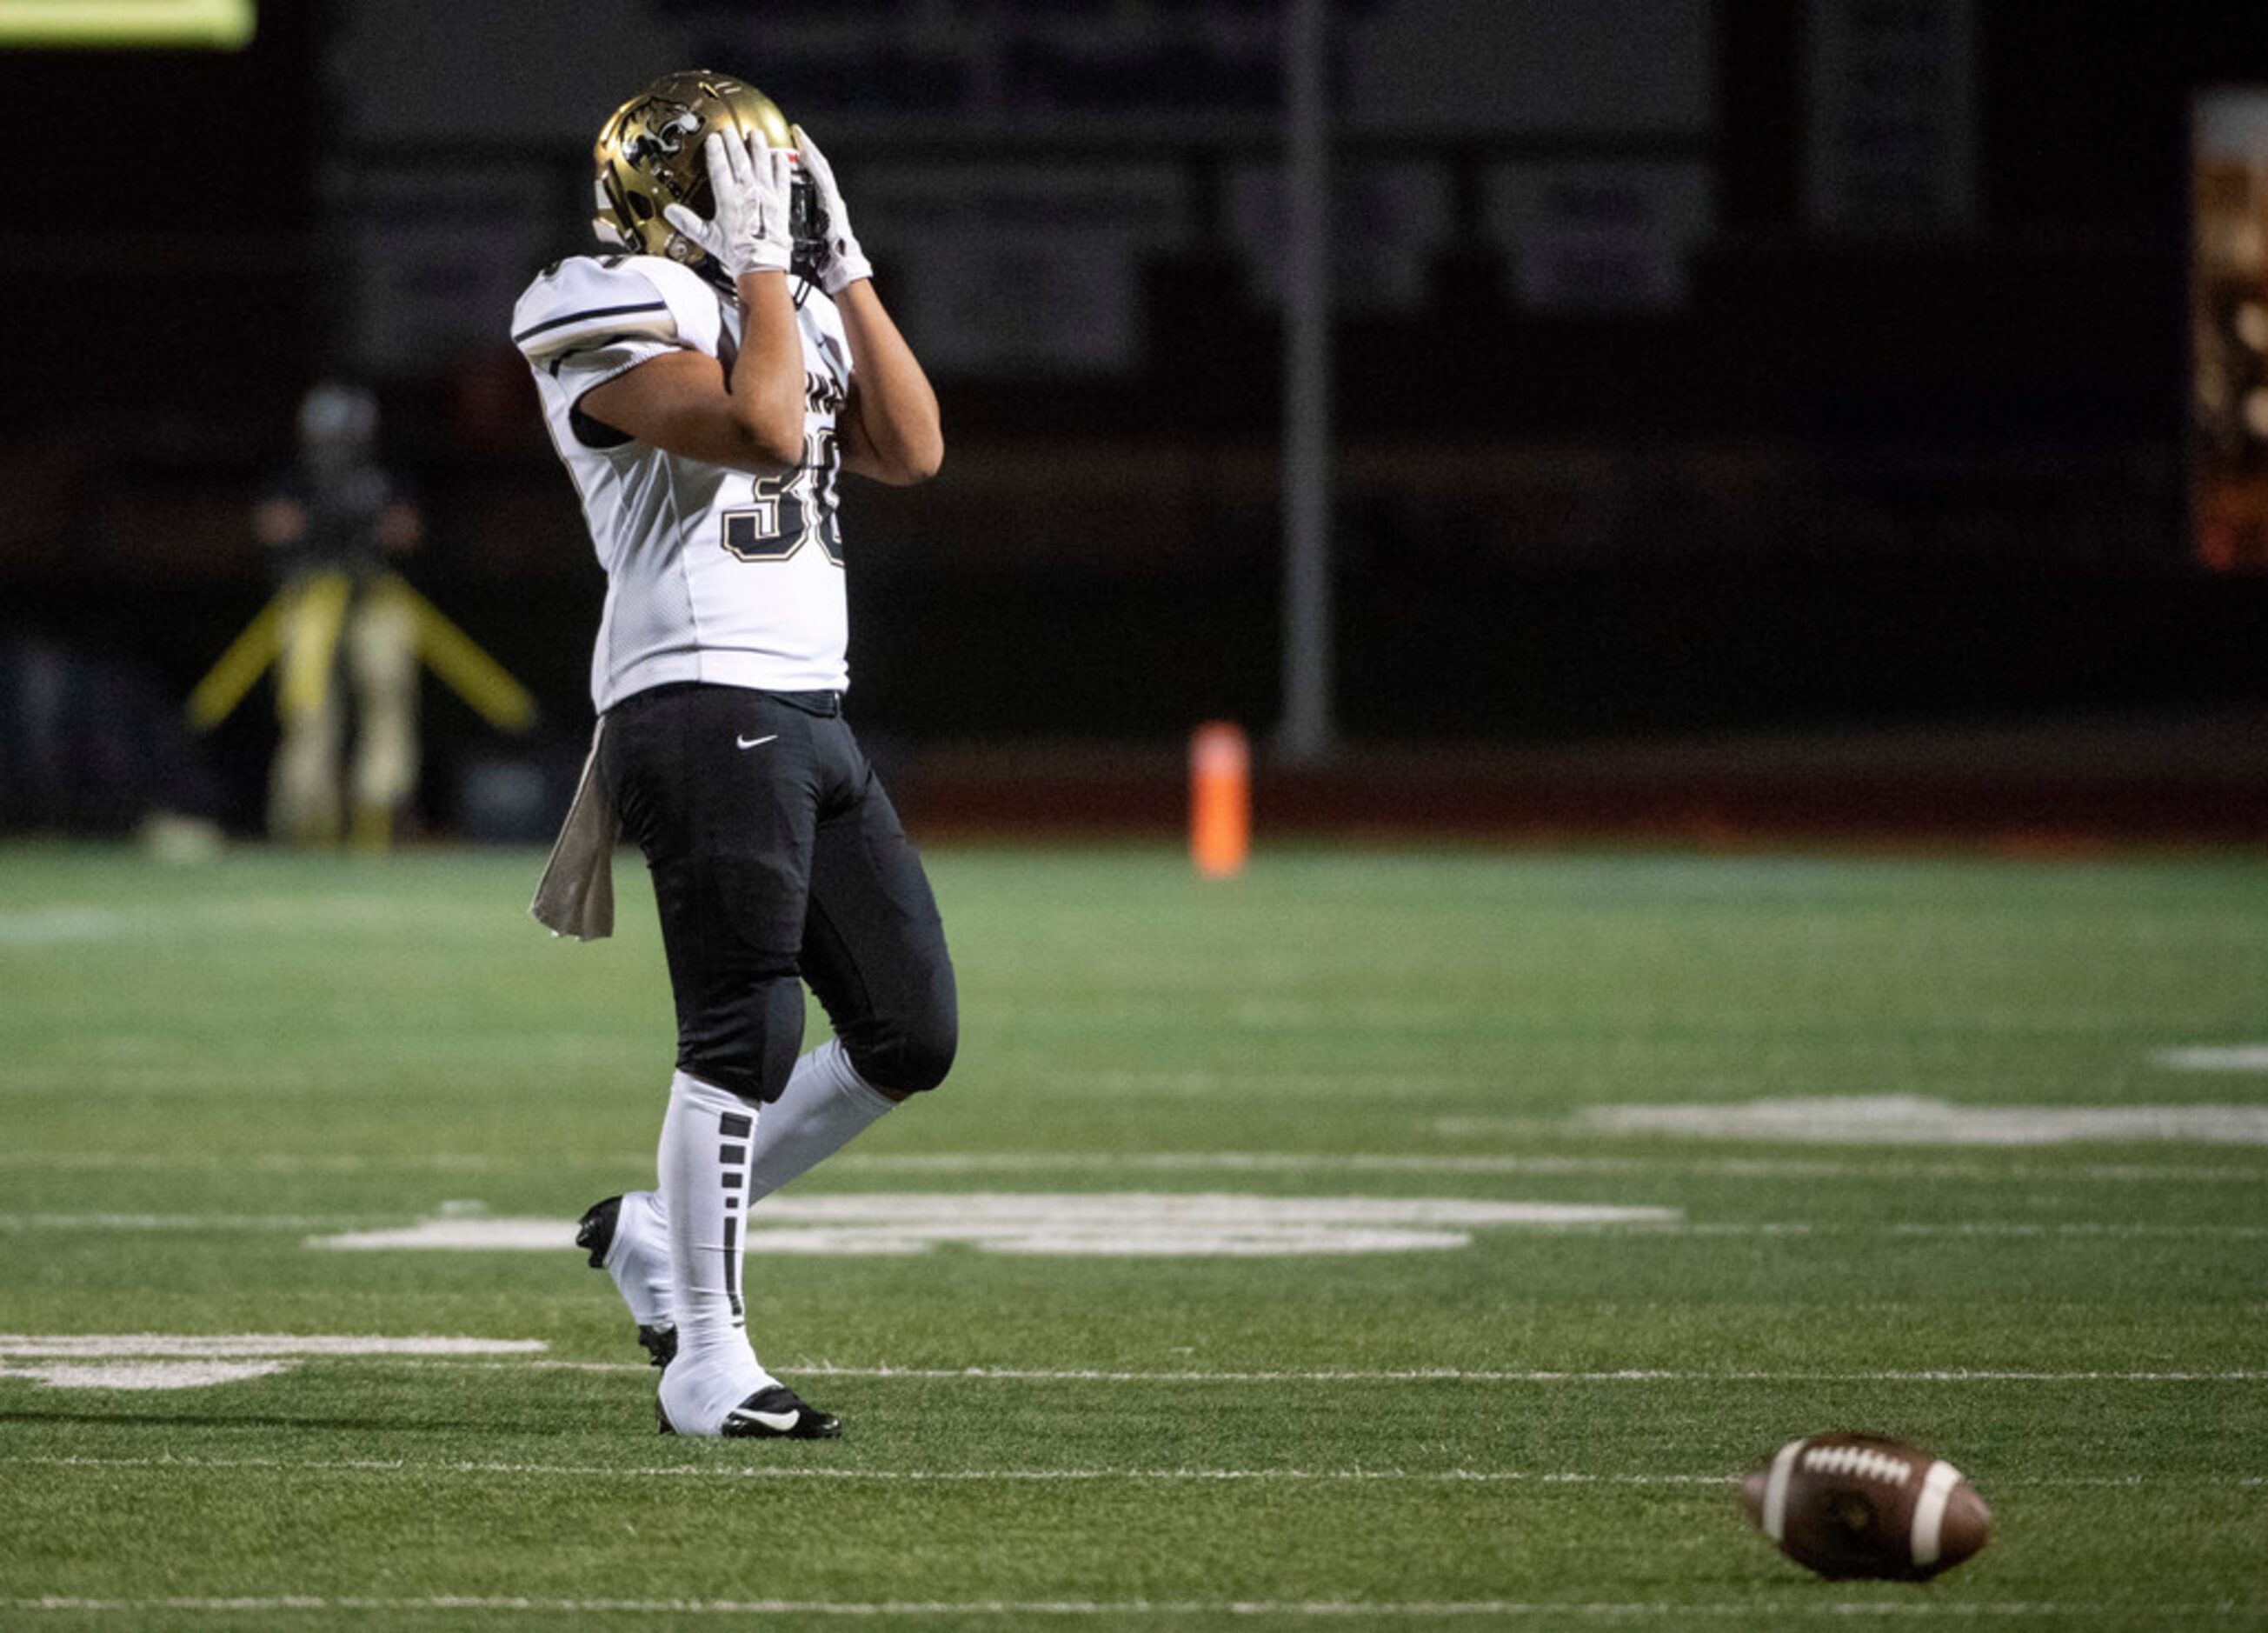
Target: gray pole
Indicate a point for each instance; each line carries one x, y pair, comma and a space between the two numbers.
1305, 733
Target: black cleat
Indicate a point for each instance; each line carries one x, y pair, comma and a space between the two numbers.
595, 1231
780, 1414
773, 1414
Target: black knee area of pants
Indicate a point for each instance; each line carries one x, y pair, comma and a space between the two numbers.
905, 1054
747, 1042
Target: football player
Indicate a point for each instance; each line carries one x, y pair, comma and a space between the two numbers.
705, 380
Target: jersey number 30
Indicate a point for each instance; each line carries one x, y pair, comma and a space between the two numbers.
793, 509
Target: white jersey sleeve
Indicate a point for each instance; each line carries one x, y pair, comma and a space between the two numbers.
586, 320
712, 575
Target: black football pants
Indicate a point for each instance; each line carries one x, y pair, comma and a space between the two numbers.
776, 854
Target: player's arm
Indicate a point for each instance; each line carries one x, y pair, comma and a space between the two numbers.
684, 403
889, 428
687, 403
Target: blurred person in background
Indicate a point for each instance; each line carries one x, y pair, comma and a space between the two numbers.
332, 524
704, 381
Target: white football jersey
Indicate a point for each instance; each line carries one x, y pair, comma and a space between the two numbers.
712, 574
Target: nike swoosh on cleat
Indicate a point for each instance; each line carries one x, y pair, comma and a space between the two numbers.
753, 743
778, 1422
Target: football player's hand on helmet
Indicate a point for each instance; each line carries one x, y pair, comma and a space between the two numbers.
842, 262
750, 182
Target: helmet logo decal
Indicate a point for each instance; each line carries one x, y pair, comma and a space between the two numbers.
665, 140
648, 156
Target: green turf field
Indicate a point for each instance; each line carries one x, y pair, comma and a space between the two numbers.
1202, 1296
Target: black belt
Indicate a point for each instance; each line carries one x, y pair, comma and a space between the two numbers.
827, 705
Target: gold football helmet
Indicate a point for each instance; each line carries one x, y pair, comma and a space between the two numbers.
648, 156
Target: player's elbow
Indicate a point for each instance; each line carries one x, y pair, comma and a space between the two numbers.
757, 455
925, 462
767, 447
917, 463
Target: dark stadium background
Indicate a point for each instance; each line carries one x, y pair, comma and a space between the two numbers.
1887, 531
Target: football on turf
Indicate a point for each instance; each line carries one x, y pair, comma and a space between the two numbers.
1867, 1505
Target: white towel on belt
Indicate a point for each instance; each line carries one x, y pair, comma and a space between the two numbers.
576, 895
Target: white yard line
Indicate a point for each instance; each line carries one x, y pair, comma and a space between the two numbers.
476, 1230
1311, 1081
1086, 1223
1406, 1375
1730, 1168
2126, 1229
1026, 1476
1224, 1162
1997, 1228
910, 1476
473, 1355
1804, 1608
194, 1221
142, 1375
2015, 1227
1920, 1120
1629, 1375
54, 927
234, 1346
2252, 1057
246, 1162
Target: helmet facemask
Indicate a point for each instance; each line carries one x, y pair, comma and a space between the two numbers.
807, 225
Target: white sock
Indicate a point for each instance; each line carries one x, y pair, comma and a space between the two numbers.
825, 1107
703, 1163
638, 1258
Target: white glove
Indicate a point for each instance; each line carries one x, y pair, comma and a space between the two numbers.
749, 232
841, 261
